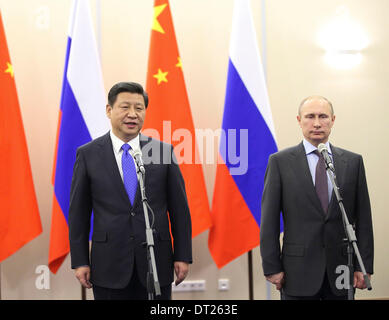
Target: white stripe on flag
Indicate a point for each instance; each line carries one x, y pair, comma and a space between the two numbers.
245, 56
84, 72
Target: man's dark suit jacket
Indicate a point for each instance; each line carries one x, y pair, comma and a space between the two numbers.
312, 242
119, 228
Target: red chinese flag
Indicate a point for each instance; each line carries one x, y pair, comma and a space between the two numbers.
19, 215
169, 112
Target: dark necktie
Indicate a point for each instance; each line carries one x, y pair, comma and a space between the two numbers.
129, 173
321, 183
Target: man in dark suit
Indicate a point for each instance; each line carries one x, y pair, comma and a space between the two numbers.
105, 181
314, 253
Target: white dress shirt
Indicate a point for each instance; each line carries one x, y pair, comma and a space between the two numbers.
117, 144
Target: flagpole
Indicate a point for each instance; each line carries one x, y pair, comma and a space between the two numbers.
264, 64
251, 279
83, 293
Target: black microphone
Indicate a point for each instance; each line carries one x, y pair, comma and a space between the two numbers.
138, 159
323, 150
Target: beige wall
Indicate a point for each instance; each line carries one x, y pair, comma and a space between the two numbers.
36, 32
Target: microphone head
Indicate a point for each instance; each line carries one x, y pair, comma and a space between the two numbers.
138, 157
137, 153
322, 147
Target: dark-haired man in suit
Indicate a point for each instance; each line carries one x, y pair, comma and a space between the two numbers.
105, 181
314, 253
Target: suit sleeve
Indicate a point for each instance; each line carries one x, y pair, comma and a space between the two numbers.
364, 227
80, 209
270, 220
179, 214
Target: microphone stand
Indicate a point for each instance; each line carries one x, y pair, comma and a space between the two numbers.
351, 238
152, 275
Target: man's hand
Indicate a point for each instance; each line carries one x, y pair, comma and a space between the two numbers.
359, 281
83, 275
277, 279
181, 269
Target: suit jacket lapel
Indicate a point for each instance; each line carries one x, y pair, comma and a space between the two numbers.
111, 166
303, 175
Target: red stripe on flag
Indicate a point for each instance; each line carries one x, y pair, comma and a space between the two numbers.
56, 148
234, 230
59, 238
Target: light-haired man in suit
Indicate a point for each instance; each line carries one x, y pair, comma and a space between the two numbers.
313, 242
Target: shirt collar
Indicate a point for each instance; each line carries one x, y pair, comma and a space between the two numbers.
117, 142
309, 148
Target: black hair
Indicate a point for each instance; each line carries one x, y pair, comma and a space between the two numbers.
131, 87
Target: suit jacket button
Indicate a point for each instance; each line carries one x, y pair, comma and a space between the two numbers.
132, 238
133, 214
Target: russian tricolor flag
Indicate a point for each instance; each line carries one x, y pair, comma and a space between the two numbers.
81, 119
247, 141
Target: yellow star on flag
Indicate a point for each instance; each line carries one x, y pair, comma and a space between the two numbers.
179, 63
161, 76
157, 11
9, 69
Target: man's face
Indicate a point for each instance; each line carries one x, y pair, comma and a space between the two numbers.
316, 120
127, 115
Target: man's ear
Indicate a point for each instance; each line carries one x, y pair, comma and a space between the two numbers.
333, 120
108, 109
299, 120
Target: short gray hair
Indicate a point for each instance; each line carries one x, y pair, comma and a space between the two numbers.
316, 97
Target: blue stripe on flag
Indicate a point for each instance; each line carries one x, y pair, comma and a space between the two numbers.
240, 112
73, 133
